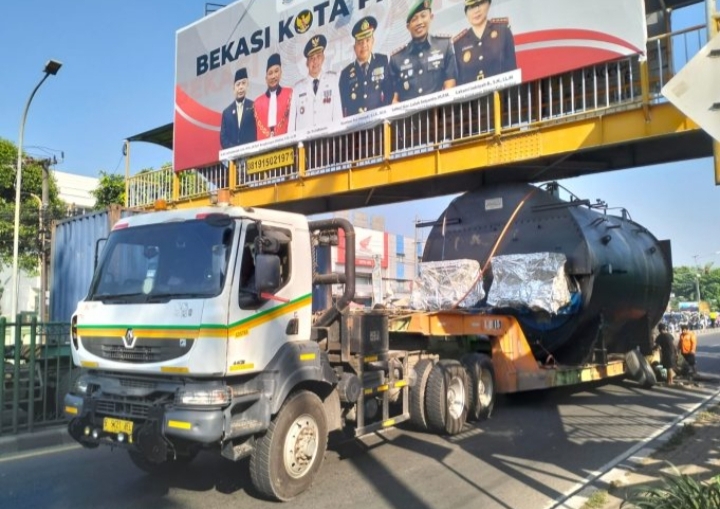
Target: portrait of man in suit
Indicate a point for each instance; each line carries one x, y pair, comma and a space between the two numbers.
238, 120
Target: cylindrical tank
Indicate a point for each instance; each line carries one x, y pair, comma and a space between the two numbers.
622, 272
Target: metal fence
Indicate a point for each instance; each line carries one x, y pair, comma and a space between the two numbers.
628, 83
36, 372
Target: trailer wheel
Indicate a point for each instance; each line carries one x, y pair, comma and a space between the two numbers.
482, 385
649, 372
632, 363
288, 456
446, 400
418, 413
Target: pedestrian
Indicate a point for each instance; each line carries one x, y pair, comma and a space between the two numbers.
668, 353
316, 98
365, 84
486, 48
427, 63
238, 120
272, 109
687, 344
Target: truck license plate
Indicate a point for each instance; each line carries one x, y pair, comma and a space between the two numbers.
117, 426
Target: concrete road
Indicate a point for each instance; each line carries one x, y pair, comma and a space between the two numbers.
532, 453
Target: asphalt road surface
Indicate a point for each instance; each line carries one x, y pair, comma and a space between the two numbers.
533, 452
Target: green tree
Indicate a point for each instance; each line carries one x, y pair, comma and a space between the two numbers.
687, 279
110, 190
28, 233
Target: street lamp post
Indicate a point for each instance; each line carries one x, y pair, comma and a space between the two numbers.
51, 68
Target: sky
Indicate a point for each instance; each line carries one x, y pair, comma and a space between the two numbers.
117, 80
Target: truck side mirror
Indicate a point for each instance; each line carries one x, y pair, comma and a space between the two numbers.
267, 273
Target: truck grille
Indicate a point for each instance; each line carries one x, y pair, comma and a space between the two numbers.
137, 354
144, 350
123, 407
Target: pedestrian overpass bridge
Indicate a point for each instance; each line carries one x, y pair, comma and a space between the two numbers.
605, 117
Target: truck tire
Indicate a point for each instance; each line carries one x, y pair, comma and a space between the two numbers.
418, 413
481, 374
287, 458
446, 398
650, 377
632, 363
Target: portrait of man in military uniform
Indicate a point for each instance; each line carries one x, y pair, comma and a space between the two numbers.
238, 120
486, 48
427, 63
272, 109
316, 98
365, 83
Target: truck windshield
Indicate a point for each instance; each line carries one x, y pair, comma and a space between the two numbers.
160, 262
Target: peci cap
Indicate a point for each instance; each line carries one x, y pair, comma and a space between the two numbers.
417, 6
273, 59
315, 45
240, 74
364, 28
470, 3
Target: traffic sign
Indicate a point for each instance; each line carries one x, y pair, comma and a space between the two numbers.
695, 91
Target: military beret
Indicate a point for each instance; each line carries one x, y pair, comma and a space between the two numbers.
417, 6
364, 28
273, 59
315, 45
241, 74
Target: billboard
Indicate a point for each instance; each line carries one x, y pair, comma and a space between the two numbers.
371, 248
260, 74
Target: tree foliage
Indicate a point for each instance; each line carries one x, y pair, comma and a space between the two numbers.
28, 233
110, 190
686, 281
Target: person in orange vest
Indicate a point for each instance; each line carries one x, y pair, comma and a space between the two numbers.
687, 345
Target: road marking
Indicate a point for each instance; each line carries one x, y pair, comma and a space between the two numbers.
39, 452
565, 501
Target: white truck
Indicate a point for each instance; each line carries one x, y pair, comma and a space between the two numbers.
198, 333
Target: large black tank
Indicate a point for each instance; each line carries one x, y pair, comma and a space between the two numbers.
622, 271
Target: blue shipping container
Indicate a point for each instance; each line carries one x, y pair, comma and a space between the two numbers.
73, 258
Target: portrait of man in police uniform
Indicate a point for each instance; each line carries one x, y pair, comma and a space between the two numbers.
365, 83
272, 109
427, 63
316, 98
486, 48
238, 119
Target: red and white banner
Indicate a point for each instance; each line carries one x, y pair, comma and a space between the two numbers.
370, 245
316, 51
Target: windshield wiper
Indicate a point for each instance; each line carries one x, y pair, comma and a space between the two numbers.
165, 297
121, 298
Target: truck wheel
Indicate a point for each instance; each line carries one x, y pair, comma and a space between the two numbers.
288, 456
164, 468
482, 385
632, 363
418, 414
639, 369
446, 400
650, 378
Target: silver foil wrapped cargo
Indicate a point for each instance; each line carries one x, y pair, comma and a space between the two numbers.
535, 281
448, 284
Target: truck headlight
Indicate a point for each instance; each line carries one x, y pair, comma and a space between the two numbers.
190, 396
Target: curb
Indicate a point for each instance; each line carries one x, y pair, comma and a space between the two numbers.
634, 460
44, 438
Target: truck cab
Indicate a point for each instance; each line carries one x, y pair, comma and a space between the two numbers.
195, 328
